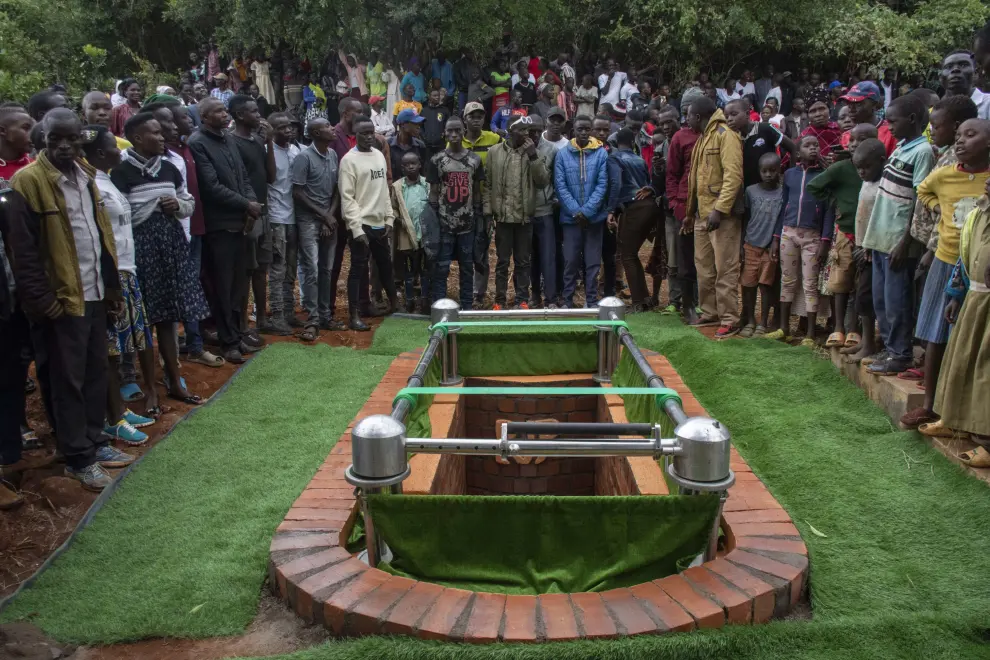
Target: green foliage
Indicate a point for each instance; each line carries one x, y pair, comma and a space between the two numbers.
20, 73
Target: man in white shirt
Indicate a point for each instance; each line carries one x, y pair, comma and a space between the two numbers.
380, 118
956, 77
745, 86
887, 85
611, 82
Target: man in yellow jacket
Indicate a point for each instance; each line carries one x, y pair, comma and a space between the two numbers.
714, 188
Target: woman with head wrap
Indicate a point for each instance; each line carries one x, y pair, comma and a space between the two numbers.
818, 102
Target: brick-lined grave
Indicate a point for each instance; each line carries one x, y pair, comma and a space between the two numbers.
760, 574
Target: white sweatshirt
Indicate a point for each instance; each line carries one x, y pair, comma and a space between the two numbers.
363, 186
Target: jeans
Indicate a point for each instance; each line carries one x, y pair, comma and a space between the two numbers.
316, 257
377, 248
672, 232
194, 340
544, 259
893, 300
282, 275
482, 236
513, 241
610, 246
409, 264
460, 246
590, 241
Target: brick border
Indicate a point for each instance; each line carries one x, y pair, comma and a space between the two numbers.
762, 574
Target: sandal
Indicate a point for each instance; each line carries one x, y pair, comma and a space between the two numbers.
835, 340
155, 412
131, 392
912, 374
853, 339
206, 358
938, 430
760, 331
978, 458
309, 334
192, 399
748, 331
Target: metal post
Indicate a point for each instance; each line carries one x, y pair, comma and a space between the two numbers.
378, 454
711, 551
609, 309
447, 310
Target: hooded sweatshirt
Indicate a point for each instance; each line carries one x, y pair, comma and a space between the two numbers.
581, 179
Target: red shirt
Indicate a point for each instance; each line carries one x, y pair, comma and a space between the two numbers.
534, 67
883, 134
9, 168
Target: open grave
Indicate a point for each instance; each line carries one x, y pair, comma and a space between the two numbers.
533, 475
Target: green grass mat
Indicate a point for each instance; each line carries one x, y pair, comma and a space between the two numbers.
902, 572
181, 548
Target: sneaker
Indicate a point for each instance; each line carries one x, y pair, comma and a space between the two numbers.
808, 342
669, 309
111, 457
725, 331
496, 307
523, 305
137, 421
92, 477
248, 348
777, 335
122, 430
890, 367
276, 327
234, 356
876, 357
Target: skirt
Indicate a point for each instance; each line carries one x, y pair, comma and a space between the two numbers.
170, 287
963, 383
932, 326
130, 332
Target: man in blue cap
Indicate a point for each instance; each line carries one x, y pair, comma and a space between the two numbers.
863, 99
406, 139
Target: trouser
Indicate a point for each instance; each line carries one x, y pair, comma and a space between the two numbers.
638, 220
282, 274
672, 232
482, 241
408, 265
75, 350
513, 241
14, 336
461, 247
316, 256
610, 246
226, 265
543, 262
461, 101
589, 240
893, 301
338, 263
799, 251
194, 339
716, 256
687, 273
377, 248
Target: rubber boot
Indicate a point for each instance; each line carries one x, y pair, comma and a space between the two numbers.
357, 323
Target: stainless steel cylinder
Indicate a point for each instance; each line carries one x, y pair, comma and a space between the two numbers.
378, 448
445, 309
611, 309
451, 376
602, 373
704, 450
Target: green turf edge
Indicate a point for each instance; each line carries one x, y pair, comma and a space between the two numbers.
162, 558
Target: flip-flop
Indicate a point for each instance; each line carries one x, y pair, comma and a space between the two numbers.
154, 412
912, 374
853, 339
131, 392
206, 358
835, 340
978, 458
192, 399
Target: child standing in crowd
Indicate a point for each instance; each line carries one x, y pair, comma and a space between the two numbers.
455, 177
801, 239
586, 96
869, 159
955, 190
411, 200
839, 186
960, 399
129, 332
434, 120
895, 253
763, 204
408, 100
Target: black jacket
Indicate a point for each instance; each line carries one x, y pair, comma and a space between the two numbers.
434, 123
224, 186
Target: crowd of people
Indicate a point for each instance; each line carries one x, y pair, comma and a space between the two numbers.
180, 218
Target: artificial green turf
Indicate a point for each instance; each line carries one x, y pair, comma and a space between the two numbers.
902, 573
181, 548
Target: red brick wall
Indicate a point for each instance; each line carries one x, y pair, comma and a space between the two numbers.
613, 476
555, 476
482, 412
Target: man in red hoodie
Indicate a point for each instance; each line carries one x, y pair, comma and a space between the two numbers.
678, 169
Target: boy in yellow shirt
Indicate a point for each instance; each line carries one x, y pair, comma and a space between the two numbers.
955, 190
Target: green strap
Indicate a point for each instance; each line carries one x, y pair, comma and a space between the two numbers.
663, 394
447, 325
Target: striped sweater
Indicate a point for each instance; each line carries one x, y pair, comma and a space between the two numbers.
144, 183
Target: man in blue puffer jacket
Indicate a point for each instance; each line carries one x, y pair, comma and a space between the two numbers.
581, 179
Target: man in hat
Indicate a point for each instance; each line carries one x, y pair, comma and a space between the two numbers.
863, 99
407, 139
222, 91
380, 118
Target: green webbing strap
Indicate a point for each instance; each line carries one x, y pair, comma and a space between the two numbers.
446, 325
663, 394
